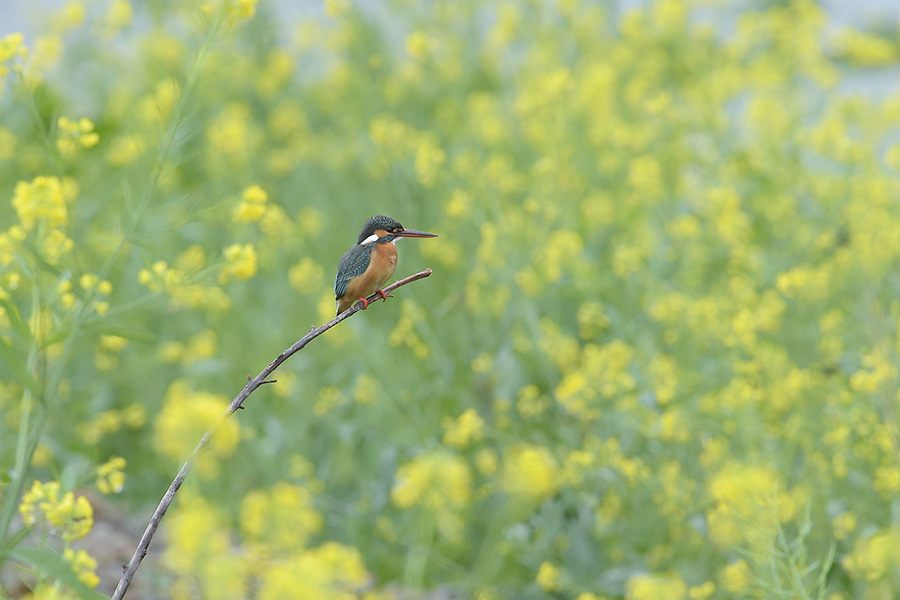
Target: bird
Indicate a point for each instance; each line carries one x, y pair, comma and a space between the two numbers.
371, 261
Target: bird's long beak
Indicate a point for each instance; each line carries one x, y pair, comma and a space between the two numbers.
414, 233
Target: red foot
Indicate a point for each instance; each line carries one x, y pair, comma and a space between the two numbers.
365, 302
383, 295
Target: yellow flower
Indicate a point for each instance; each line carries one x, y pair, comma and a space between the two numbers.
736, 577
240, 262
530, 403
55, 245
232, 138
702, 592
418, 45
483, 363
887, 479
70, 16
110, 476
558, 254
329, 572
282, 518
367, 389
84, 566
75, 134
44, 198
307, 276
12, 46
879, 371
437, 480
252, 206
576, 465
186, 415
71, 518
103, 423
738, 484
548, 576
664, 374
667, 586
240, 10
329, 397
592, 319
873, 557
42, 456
464, 429
530, 473
118, 15
866, 49
459, 205
198, 534
335, 8
124, 150
45, 53
200, 347
429, 158
645, 176
804, 283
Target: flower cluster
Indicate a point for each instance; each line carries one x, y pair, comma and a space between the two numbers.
68, 516
76, 134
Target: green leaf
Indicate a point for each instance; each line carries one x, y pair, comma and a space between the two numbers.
16, 366
53, 565
18, 324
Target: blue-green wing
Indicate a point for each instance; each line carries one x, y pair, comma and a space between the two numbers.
353, 263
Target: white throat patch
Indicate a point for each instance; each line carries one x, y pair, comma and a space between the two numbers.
369, 240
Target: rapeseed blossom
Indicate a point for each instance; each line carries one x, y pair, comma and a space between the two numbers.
329, 572
668, 586
45, 197
240, 262
281, 519
185, 417
84, 566
68, 516
530, 473
111, 476
75, 134
437, 480
12, 47
464, 429
252, 206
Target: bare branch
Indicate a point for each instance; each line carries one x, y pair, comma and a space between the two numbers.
237, 403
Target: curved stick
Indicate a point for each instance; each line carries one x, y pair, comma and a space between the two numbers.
237, 403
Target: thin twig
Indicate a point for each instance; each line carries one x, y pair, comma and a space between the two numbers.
237, 403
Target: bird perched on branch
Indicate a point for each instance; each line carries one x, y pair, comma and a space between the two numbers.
371, 261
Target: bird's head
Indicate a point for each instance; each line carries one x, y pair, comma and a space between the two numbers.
383, 230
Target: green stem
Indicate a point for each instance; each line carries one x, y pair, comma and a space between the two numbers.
418, 558
23, 456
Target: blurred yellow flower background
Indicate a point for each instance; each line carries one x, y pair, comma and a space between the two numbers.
657, 358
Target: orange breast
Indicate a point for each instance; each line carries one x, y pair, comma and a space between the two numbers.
382, 263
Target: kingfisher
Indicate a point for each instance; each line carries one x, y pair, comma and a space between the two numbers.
371, 261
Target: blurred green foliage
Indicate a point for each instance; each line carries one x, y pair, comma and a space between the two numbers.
657, 359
